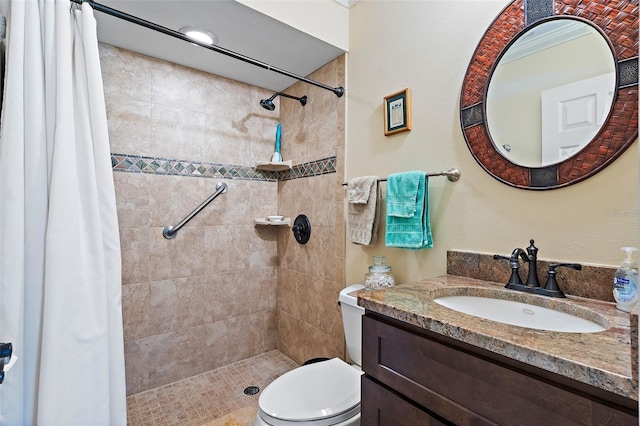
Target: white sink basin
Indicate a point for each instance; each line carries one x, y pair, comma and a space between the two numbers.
519, 314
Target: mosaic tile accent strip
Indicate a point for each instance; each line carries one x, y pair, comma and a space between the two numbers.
313, 168
164, 166
212, 395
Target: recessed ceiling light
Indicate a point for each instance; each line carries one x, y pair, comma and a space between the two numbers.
200, 34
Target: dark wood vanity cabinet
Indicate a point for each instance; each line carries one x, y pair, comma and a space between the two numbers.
416, 377
385, 407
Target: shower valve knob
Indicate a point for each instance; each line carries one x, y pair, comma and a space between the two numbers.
301, 229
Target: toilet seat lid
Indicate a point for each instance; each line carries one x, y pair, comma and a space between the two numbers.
312, 392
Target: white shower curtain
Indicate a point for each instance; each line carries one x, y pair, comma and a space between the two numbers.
60, 285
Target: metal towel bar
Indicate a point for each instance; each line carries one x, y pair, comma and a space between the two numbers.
170, 231
452, 174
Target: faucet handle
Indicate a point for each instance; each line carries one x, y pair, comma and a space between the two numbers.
551, 287
575, 266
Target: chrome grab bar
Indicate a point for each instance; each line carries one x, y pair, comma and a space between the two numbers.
170, 231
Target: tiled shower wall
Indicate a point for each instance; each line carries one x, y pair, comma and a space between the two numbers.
311, 276
209, 297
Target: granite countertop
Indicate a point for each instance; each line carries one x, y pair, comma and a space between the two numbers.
607, 359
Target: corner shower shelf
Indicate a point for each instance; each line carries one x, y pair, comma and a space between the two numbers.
274, 167
263, 221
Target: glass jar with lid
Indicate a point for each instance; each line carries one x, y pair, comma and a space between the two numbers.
379, 275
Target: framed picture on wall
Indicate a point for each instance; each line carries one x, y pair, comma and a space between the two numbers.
397, 112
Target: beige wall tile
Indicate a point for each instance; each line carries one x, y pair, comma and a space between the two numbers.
175, 355
129, 123
230, 208
288, 298
177, 133
309, 321
180, 87
226, 248
163, 306
301, 342
228, 99
241, 285
293, 255
210, 296
217, 351
179, 257
171, 198
135, 311
219, 291
252, 334
191, 301
224, 143
264, 199
263, 247
135, 251
125, 73
132, 201
321, 197
323, 265
264, 294
136, 366
341, 233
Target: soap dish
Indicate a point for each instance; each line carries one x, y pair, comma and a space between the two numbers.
265, 221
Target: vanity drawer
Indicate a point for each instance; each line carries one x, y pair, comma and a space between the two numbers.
386, 408
466, 388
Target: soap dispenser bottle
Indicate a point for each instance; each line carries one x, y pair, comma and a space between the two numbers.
625, 282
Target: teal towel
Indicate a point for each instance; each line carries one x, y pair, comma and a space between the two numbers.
414, 231
402, 193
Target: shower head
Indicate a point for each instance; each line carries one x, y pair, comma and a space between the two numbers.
269, 105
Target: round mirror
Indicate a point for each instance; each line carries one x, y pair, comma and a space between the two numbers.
550, 92
519, 50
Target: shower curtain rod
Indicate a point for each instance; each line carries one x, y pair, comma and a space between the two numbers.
338, 91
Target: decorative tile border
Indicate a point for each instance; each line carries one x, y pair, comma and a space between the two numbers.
165, 166
313, 168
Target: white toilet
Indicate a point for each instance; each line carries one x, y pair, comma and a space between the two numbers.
325, 393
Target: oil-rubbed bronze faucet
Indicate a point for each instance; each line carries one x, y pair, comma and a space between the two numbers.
532, 278
532, 285
515, 279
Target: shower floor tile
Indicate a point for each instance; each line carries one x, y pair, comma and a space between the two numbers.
212, 398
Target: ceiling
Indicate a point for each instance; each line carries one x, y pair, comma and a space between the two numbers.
239, 29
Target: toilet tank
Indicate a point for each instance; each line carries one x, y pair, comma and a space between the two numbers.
352, 322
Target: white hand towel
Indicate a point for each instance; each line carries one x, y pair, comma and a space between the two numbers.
363, 212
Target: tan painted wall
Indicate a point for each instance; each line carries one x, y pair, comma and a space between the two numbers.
426, 46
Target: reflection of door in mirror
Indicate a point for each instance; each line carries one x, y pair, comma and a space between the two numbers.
555, 53
572, 115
